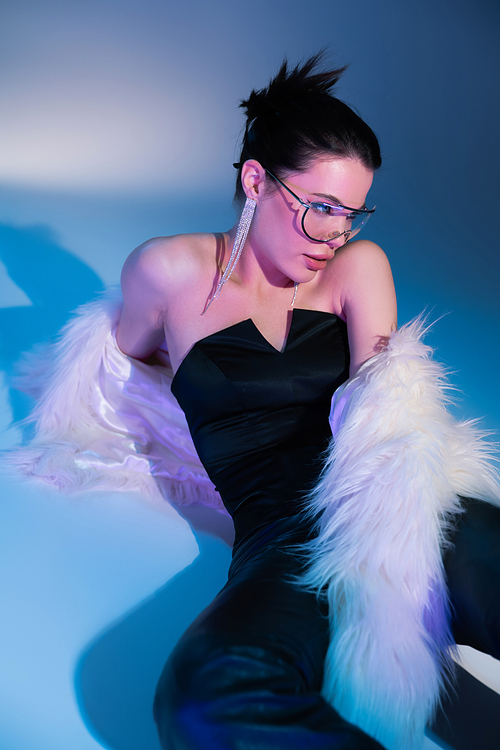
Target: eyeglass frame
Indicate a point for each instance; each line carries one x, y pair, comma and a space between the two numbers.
363, 211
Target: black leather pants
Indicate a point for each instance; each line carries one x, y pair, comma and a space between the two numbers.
472, 567
247, 674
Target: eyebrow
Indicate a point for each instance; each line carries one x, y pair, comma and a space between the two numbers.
333, 199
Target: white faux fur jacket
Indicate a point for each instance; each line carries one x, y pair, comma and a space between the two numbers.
397, 464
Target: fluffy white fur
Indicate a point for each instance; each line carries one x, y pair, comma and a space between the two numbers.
388, 491
104, 420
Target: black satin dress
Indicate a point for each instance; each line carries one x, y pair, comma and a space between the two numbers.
247, 673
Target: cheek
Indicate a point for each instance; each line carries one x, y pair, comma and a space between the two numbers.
280, 216
288, 223
296, 224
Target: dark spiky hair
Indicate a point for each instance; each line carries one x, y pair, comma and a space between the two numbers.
296, 119
289, 86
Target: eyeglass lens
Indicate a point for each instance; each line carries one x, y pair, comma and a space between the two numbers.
324, 222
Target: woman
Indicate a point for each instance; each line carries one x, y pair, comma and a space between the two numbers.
263, 324
168, 289
258, 343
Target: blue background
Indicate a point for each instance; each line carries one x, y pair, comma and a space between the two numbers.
120, 122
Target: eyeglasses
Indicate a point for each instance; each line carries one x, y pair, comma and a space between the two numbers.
320, 221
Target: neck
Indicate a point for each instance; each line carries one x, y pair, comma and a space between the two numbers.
255, 270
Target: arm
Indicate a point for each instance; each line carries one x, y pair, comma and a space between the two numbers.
144, 283
367, 299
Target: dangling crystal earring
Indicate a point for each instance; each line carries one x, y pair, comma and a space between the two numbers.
239, 240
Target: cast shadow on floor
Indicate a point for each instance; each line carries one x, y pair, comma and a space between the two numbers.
117, 674
56, 283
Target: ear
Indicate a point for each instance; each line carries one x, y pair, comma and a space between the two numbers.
253, 177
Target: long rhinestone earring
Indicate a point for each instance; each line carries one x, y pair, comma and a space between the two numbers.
239, 240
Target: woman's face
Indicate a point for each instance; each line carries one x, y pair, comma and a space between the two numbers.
277, 234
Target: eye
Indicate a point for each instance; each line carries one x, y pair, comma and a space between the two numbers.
326, 208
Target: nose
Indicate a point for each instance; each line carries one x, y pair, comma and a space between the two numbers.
339, 239
341, 230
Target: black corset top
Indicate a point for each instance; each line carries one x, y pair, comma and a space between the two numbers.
259, 417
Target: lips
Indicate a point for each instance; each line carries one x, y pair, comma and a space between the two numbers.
316, 262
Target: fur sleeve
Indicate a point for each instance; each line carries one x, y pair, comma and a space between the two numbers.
392, 480
104, 420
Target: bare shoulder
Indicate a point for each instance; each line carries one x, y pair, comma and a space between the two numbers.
154, 278
156, 264
361, 268
366, 297
361, 257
